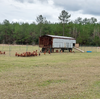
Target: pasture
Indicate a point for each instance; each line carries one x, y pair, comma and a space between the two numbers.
51, 76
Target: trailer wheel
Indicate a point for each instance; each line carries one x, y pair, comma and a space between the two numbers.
70, 49
62, 49
43, 49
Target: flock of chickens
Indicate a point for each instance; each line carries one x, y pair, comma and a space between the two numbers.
27, 54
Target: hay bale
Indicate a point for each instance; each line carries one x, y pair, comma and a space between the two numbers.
77, 45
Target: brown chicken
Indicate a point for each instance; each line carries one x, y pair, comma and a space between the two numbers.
16, 54
49, 51
44, 52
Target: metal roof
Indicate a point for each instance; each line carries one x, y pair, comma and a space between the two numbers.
65, 37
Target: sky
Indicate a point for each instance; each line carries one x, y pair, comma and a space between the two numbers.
29, 10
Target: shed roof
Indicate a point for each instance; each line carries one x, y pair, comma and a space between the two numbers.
63, 37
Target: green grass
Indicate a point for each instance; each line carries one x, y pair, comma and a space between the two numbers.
48, 82
56, 76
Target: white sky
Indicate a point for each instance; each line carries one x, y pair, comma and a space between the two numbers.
28, 10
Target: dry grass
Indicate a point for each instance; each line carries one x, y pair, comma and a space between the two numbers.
55, 76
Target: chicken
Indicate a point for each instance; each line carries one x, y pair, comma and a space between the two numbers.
56, 51
71, 51
16, 54
44, 52
29, 53
3, 52
21, 54
49, 51
25, 54
0, 52
33, 53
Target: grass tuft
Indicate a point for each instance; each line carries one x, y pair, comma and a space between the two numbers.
48, 82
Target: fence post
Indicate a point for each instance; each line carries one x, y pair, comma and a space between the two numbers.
97, 49
2, 47
26, 47
9, 50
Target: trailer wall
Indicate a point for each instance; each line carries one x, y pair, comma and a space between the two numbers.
63, 43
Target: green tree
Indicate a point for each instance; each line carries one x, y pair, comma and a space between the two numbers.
64, 18
46, 28
7, 32
93, 20
41, 20
78, 20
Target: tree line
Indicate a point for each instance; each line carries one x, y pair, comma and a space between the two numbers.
85, 31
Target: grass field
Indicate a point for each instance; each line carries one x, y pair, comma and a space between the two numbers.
51, 76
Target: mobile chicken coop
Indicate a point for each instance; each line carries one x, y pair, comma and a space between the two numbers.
51, 42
